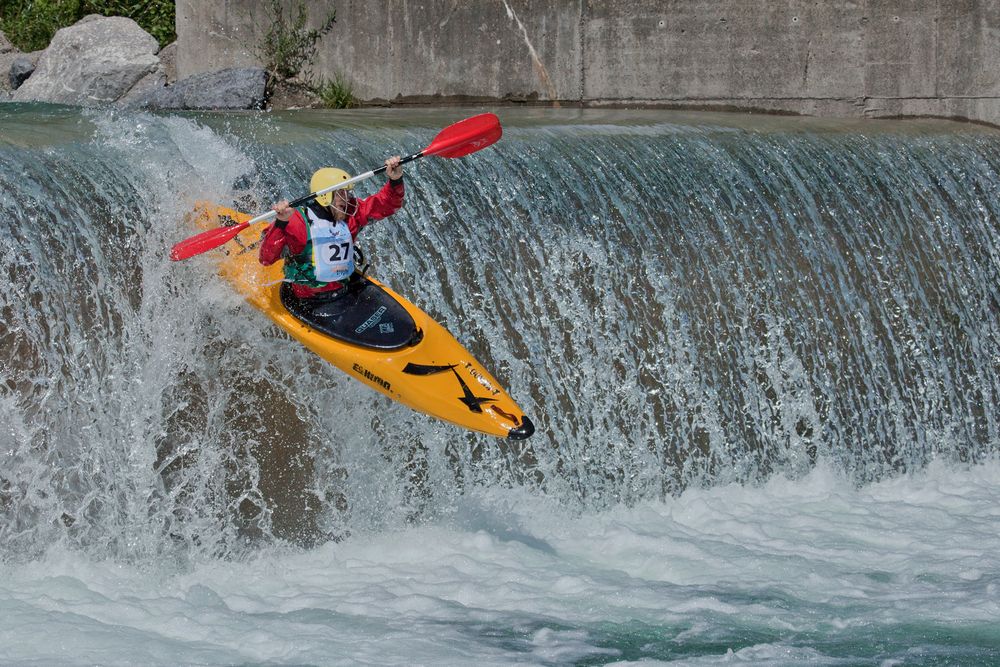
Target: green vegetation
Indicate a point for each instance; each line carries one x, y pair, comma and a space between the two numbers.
30, 24
336, 94
157, 17
287, 46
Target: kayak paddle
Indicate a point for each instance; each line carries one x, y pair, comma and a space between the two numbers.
461, 138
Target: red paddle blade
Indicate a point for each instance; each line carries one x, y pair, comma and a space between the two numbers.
205, 241
466, 136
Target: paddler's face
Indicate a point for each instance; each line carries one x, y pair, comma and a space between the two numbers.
344, 204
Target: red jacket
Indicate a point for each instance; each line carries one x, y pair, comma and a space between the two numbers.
382, 204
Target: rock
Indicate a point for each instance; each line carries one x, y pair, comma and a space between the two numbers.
165, 74
168, 60
5, 45
234, 88
92, 62
8, 54
147, 85
293, 95
7, 61
20, 70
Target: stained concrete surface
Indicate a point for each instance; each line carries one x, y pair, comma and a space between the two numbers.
846, 58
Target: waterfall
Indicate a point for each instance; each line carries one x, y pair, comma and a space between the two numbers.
674, 300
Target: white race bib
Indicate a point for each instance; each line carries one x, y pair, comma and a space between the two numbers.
333, 249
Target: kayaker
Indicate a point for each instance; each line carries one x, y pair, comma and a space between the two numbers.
329, 225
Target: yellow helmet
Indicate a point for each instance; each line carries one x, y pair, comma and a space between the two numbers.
326, 177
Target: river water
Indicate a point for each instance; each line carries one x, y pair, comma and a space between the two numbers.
762, 355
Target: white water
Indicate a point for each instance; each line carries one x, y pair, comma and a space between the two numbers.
150, 480
812, 571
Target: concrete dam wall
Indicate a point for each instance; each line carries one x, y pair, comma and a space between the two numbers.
860, 58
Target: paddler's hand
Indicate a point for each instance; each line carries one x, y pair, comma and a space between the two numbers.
393, 169
283, 212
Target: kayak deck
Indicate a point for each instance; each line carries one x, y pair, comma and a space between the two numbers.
362, 313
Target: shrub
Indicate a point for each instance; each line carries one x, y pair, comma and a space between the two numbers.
336, 94
157, 17
287, 46
30, 24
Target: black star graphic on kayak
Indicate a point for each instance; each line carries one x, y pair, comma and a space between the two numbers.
471, 401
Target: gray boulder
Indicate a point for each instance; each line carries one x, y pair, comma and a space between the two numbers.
7, 61
8, 54
20, 70
5, 45
164, 75
168, 61
228, 89
93, 62
148, 84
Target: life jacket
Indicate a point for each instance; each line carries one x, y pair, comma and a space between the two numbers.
328, 255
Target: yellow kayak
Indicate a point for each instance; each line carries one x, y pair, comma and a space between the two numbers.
377, 337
